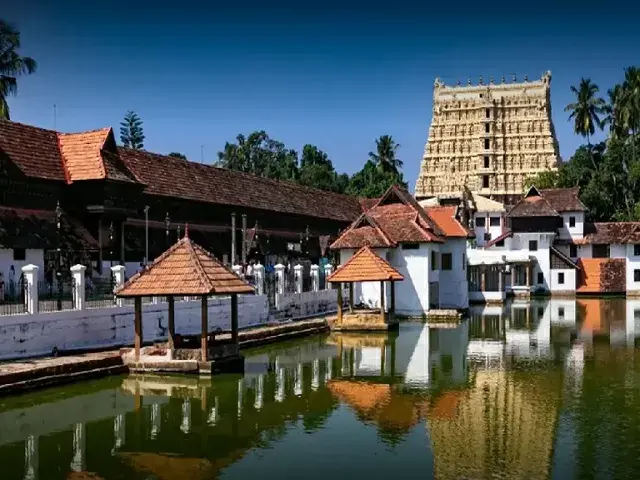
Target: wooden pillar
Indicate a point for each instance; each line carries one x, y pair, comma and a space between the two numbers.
138, 326
351, 297
122, 260
382, 302
528, 274
500, 275
100, 245
205, 329
172, 323
483, 278
339, 302
392, 308
234, 318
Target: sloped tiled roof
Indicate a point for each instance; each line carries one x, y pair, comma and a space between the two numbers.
564, 199
609, 232
602, 275
364, 231
174, 177
81, 154
365, 266
560, 260
484, 204
533, 206
445, 218
367, 203
493, 241
185, 269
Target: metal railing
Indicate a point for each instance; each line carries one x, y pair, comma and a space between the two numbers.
99, 292
56, 295
13, 298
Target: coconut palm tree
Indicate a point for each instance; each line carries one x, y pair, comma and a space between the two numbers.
613, 110
385, 154
12, 65
586, 111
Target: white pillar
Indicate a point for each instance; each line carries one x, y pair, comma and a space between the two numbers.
118, 430
315, 278
118, 274
185, 426
258, 273
297, 275
31, 282
257, 404
327, 373
279, 385
31, 458
279, 268
156, 420
237, 269
240, 388
77, 464
214, 415
315, 378
328, 270
77, 272
297, 386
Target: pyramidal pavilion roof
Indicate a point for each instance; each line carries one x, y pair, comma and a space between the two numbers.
185, 269
365, 266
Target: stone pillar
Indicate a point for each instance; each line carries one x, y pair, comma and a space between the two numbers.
328, 372
31, 284
297, 384
233, 238
528, 275
156, 420
315, 377
204, 326
244, 239
500, 280
328, 270
77, 272
119, 430
31, 458
297, 274
257, 404
137, 320
315, 278
483, 279
279, 268
258, 274
279, 396
77, 464
185, 425
237, 269
118, 274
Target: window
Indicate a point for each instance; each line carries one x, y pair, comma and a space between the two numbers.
572, 222
494, 221
19, 254
487, 128
540, 278
573, 251
533, 245
636, 275
600, 251
446, 261
500, 243
480, 222
486, 144
487, 113
485, 181
410, 246
434, 260
487, 237
560, 312
486, 161
560, 278
636, 250
636, 315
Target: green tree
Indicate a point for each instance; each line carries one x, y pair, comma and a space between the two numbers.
12, 65
316, 170
586, 111
131, 133
385, 155
372, 182
177, 155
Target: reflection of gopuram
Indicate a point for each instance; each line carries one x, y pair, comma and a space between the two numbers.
488, 138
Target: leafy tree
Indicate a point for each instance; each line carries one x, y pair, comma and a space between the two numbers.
316, 170
372, 182
177, 155
385, 155
586, 111
12, 65
131, 134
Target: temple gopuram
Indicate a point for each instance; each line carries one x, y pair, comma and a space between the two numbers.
489, 138
101, 203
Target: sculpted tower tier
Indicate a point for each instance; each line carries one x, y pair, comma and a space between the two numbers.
489, 138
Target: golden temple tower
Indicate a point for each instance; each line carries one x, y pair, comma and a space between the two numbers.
489, 137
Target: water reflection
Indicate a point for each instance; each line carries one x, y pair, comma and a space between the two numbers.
525, 390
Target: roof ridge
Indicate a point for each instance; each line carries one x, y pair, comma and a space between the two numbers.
202, 274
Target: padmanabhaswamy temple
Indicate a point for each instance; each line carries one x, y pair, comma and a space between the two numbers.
488, 138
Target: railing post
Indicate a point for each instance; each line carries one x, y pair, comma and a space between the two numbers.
315, 278
31, 285
279, 278
258, 273
118, 275
328, 270
79, 286
297, 275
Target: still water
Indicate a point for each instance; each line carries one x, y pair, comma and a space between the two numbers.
529, 391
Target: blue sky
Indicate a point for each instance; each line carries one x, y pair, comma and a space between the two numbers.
334, 76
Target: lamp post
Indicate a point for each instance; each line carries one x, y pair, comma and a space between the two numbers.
167, 224
111, 243
146, 235
59, 255
178, 230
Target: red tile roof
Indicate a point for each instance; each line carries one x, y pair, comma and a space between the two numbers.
492, 242
445, 218
82, 154
564, 199
365, 266
533, 206
602, 275
185, 269
609, 232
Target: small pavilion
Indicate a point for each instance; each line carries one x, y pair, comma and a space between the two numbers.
185, 269
365, 266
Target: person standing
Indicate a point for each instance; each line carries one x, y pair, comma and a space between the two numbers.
12, 282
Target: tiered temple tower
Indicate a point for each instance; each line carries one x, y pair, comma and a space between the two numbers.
488, 137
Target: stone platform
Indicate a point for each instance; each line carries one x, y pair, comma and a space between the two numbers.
363, 321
